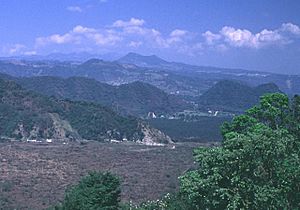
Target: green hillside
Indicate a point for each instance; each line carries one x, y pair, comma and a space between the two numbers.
136, 98
26, 115
234, 96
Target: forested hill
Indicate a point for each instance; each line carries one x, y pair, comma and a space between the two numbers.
135, 98
27, 115
234, 96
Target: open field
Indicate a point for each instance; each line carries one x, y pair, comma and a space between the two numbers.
35, 176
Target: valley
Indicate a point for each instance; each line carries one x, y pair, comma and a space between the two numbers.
149, 105
35, 175
174, 98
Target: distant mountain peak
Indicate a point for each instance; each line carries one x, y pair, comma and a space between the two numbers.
94, 61
142, 60
133, 54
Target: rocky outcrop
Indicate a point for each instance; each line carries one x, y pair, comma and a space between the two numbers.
154, 136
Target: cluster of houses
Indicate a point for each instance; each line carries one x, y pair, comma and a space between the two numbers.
183, 115
39, 141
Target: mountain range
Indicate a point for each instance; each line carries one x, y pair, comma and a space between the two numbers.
99, 99
140, 98
74, 57
27, 115
173, 78
135, 98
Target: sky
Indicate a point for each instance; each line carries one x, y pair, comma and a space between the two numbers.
250, 34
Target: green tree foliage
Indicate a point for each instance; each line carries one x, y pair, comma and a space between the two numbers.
295, 125
96, 191
257, 166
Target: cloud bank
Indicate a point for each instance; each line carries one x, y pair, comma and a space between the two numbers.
243, 38
134, 34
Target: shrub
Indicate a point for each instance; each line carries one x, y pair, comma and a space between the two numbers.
97, 190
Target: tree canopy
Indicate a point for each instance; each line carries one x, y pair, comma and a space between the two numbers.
257, 165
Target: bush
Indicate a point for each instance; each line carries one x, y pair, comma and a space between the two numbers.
95, 191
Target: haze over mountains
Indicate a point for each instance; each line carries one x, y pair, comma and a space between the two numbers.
147, 87
172, 77
149, 104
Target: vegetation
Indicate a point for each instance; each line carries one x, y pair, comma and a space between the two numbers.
94, 191
257, 166
234, 96
136, 98
24, 114
168, 202
100, 190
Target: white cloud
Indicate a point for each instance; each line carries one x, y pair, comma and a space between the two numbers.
176, 36
243, 38
82, 30
57, 39
81, 35
132, 22
134, 28
133, 33
15, 49
268, 36
292, 28
178, 33
238, 37
121, 34
74, 9
210, 37
28, 53
135, 44
104, 39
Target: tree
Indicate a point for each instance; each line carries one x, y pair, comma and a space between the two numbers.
95, 191
257, 166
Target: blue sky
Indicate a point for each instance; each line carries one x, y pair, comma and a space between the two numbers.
252, 34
